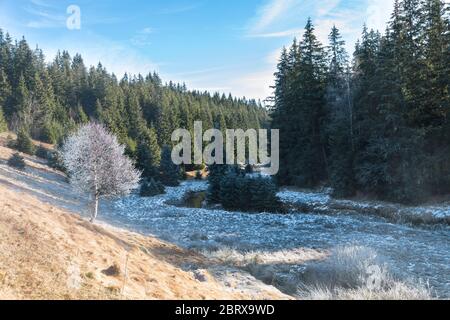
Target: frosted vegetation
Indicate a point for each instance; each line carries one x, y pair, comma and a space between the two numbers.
96, 164
307, 255
323, 203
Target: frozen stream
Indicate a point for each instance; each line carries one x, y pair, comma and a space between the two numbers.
417, 253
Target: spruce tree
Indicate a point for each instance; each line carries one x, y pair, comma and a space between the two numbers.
281, 113
21, 111
3, 124
5, 90
149, 154
215, 174
24, 143
309, 157
339, 117
169, 172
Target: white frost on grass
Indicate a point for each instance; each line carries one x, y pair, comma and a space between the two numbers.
414, 252
323, 202
357, 273
310, 198
134, 204
435, 211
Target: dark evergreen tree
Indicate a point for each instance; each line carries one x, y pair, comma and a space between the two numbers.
17, 161
24, 143
149, 154
300, 112
386, 119
151, 187
215, 175
339, 120
3, 124
169, 172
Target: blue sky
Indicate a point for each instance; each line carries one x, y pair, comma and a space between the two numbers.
216, 45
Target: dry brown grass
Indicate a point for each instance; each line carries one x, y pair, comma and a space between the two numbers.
4, 136
192, 175
40, 244
47, 252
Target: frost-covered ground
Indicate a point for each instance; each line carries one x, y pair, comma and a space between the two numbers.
323, 203
411, 252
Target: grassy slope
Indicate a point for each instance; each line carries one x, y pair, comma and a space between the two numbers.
46, 251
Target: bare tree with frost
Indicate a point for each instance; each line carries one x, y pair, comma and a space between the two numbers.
96, 164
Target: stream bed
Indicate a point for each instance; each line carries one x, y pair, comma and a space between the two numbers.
415, 253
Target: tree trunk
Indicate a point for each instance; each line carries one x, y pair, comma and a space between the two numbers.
95, 209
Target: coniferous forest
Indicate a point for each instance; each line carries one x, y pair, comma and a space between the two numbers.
351, 203
49, 100
377, 124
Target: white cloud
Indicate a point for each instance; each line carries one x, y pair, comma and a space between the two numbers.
326, 6
349, 25
229, 79
255, 85
174, 9
115, 57
270, 13
200, 72
278, 34
273, 57
378, 13
286, 18
43, 17
42, 3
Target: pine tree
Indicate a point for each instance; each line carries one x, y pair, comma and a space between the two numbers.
17, 161
367, 175
339, 121
231, 191
21, 112
3, 124
281, 112
309, 164
299, 112
215, 175
169, 172
436, 111
42, 108
150, 188
24, 143
5, 89
149, 154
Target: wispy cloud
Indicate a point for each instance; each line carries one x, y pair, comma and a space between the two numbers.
270, 13
42, 3
278, 34
44, 16
286, 19
180, 8
255, 85
200, 72
117, 57
327, 6
378, 12
47, 15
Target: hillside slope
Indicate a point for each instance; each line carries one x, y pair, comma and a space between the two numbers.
48, 252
